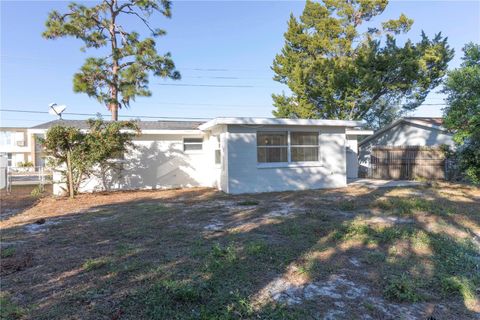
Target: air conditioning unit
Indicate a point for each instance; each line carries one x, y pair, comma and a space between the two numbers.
21, 143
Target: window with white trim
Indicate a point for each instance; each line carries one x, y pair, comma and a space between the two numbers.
272, 146
192, 144
287, 146
304, 146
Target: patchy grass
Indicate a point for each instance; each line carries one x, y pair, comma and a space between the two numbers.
9, 309
248, 203
93, 264
7, 252
149, 255
406, 206
402, 289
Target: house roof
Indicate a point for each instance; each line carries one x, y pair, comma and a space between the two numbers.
434, 123
278, 121
144, 125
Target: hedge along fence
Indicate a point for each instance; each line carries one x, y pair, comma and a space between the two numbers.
409, 162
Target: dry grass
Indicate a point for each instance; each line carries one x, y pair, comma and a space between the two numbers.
198, 253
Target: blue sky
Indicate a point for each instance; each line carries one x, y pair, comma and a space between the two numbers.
222, 43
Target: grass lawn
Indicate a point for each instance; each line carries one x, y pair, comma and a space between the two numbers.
352, 253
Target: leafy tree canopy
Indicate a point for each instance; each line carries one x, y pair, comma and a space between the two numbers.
462, 115
120, 76
78, 155
336, 67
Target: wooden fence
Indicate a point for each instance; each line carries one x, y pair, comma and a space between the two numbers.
407, 163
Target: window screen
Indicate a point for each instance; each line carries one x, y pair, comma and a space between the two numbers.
272, 146
304, 146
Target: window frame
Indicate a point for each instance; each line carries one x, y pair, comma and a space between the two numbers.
273, 146
217, 149
192, 143
290, 163
304, 146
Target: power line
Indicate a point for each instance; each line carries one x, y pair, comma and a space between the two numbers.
209, 85
103, 115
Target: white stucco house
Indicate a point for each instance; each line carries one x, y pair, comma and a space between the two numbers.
405, 132
235, 155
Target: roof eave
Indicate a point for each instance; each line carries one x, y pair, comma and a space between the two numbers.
279, 121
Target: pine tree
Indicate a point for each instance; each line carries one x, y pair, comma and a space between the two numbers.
116, 79
335, 71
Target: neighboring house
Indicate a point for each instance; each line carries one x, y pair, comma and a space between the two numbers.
235, 155
17, 145
405, 132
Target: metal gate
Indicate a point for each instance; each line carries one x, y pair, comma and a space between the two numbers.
407, 163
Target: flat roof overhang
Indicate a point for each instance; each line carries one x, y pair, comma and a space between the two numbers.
279, 121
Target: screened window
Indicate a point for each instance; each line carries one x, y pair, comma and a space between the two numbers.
272, 146
218, 154
304, 146
287, 146
192, 144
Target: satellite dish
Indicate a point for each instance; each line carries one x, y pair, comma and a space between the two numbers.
56, 110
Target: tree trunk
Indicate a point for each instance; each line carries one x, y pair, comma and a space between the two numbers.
114, 110
113, 105
70, 175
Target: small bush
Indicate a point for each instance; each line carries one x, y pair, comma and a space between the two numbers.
26, 164
37, 192
401, 289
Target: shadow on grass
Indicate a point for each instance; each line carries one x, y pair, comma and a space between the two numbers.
154, 259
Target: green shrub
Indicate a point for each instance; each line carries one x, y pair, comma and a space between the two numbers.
37, 192
26, 164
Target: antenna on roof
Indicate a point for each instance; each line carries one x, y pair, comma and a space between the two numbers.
56, 110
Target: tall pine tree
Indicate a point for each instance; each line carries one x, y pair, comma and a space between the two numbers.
117, 78
336, 71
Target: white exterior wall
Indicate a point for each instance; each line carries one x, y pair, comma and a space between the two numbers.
159, 162
405, 134
245, 175
352, 157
